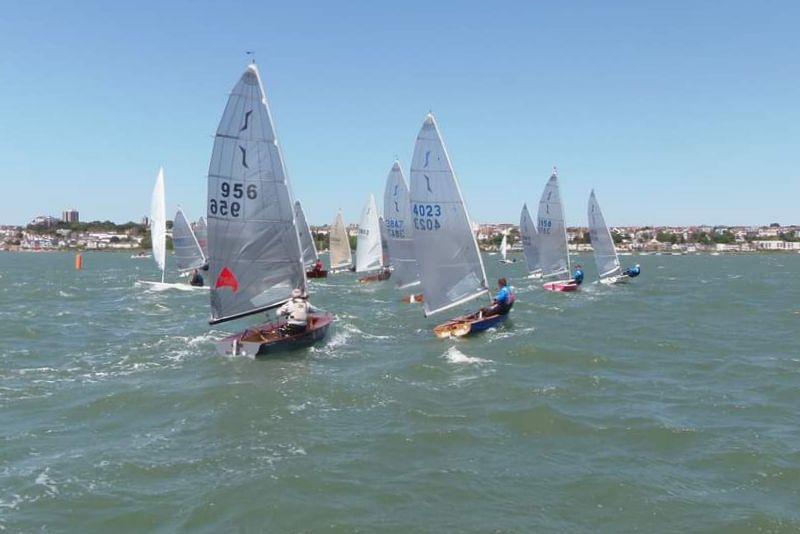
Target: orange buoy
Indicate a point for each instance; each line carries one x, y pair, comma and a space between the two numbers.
78, 261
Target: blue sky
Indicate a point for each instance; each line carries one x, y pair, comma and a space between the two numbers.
676, 112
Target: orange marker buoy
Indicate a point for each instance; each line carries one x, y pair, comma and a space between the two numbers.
78, 261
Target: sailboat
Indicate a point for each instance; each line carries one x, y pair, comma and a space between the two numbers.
450, 263
369, 252
310, 255
256, 258
158, 232
605, 254
552, 238
530, 246
341, 257
504, 249
397, 223
188, 254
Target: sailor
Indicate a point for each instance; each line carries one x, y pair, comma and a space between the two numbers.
196, 280
318, 267
502, 302
578, 275
634, 271
296, 311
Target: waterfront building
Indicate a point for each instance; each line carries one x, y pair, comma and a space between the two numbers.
70, 216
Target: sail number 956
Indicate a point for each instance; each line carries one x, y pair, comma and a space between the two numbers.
231, 196
426, 217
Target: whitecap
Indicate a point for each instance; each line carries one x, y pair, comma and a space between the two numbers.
44, 480
453, 355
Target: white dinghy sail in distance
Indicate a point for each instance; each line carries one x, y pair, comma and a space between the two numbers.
188, 253
341, 256
158, 224
530, 246
605, 253
397, 220
369, 253
552, 237
201, 233
450, 264
256, 259
310, 255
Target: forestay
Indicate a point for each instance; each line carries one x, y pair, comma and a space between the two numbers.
605, 254
450, 264
369, 255
201, 233
306, 239
340, 253
255, 257
552, 232
397, 221
530, 246
158, 223
188, 254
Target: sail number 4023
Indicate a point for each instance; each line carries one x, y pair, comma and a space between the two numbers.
426, 217
230, 203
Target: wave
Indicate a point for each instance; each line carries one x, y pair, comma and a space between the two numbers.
453, 355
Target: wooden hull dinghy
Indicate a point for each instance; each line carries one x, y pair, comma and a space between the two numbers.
316, 274
471, 324
414, 299
269, 338
561, 286
377, 277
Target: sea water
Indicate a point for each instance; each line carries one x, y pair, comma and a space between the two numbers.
668, 404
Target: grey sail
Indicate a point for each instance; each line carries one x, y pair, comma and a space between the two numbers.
384, 242
450, 264
255, 259
552, 231
530, 246
339, 247
605, 254
306, 239
188, 254
201, 233
397, 224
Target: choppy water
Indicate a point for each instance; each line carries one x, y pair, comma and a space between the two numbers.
670, 404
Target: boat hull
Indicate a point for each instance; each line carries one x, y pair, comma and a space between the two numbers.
267, 339
561, 286
378, 277
164, 286
316, 274
414, 299
613, 280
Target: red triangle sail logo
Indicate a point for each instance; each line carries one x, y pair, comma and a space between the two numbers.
226, 278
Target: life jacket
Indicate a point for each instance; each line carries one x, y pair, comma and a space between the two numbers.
298, 312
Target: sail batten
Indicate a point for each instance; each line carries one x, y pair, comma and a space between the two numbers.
339, 244
188, 253
255, 256
450, 264
397, 224
369, 254
552, 232
605, 253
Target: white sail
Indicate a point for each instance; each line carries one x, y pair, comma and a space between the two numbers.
530, 246
201, 233
255, 257
605, 254
369, 255
504, 247
397, 221
188, 254
340, 254
445, 248
552, 231
158, 223
306, 239
384, 242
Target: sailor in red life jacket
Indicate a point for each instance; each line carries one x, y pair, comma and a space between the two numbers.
318, 267
503, 300
296, 311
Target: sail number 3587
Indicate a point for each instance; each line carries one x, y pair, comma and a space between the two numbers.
230, 203
426, 217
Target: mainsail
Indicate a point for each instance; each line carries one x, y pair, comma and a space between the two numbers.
384, 242
306, 239
188, 254
158, 223
201, 233
397, 223
444, 245
255, 256
605, 254
554, 254
504, 246
340, 254
369, 255
530, 246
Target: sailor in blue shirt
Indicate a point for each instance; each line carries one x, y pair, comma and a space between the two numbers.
634, 271
503, 300
578, 275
